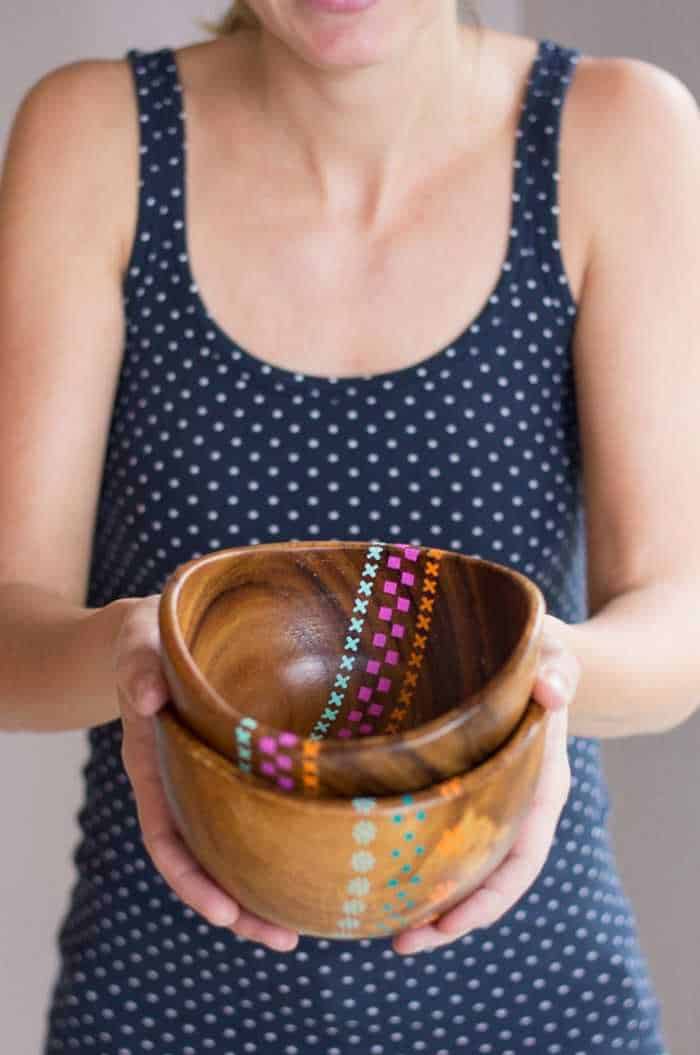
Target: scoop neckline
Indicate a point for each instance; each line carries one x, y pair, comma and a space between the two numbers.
283, 378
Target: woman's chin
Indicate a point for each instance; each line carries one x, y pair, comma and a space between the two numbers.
330, 47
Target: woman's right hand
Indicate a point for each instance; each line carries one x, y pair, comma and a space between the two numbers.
142, 690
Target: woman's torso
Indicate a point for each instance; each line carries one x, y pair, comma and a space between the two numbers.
470, 445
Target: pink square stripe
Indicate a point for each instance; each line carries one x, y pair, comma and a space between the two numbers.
366, 727
403, 604
375, 709
397, 630
407, 578
390, 586
383, 686
267, 744
345, 733
394, 562
354, 716
411, 554
283, 761
373, 665
392, 657
364, 693
268, 769
385, 613
379, 640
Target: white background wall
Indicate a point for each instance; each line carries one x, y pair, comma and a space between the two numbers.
654, 781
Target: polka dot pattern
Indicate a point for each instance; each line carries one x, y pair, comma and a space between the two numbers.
476, 449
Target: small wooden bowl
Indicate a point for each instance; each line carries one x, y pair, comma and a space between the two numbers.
348, 868
350, 668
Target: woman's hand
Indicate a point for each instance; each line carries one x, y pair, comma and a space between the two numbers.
555, 686
142, 690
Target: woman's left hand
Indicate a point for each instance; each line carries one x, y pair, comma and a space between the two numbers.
555, 686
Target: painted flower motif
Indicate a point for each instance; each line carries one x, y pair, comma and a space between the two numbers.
358, 886
451, 842
364, 832
363, 861
364, 805
478, 829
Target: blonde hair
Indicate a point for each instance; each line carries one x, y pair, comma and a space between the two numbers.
241, 16
238, 16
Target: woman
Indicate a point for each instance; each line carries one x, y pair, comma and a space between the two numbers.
354, 171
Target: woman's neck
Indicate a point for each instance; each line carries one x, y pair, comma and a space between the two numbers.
355, 135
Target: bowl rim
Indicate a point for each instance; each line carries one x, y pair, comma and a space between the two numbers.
417, 737
531, 725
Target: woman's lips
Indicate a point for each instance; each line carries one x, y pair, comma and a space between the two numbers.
340, 7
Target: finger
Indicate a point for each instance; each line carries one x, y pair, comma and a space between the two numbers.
417, 939
137, 663
170, 853
526, 858
174, 860
559, 669
523, 863
254, 928
556, 682
161, 838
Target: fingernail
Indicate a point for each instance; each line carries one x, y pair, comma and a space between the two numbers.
558, 682
148, 694
284, 944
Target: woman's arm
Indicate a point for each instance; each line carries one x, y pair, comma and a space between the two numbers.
637, 368
639, 658
61, 338
56, 667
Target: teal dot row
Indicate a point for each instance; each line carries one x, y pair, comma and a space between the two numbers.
403, 903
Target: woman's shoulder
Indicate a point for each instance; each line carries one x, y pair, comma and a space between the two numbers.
87, 100
606, 92
622, 116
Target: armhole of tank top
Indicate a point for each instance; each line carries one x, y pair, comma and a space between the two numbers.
141, 234
550, 250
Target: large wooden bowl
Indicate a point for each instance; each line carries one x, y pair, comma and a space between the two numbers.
348, 868
350, 668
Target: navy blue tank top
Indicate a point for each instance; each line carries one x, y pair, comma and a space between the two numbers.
474, 448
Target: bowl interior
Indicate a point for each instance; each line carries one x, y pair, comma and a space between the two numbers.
293, 636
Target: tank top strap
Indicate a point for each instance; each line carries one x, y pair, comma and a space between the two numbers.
536, 210
161, 219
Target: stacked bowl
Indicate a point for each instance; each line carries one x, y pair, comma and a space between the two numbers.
351, 743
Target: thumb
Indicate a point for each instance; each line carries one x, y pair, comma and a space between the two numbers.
149, 693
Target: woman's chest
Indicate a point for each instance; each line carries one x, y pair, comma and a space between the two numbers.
325, 299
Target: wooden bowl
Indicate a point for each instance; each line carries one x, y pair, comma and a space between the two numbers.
348, 868
350, 668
